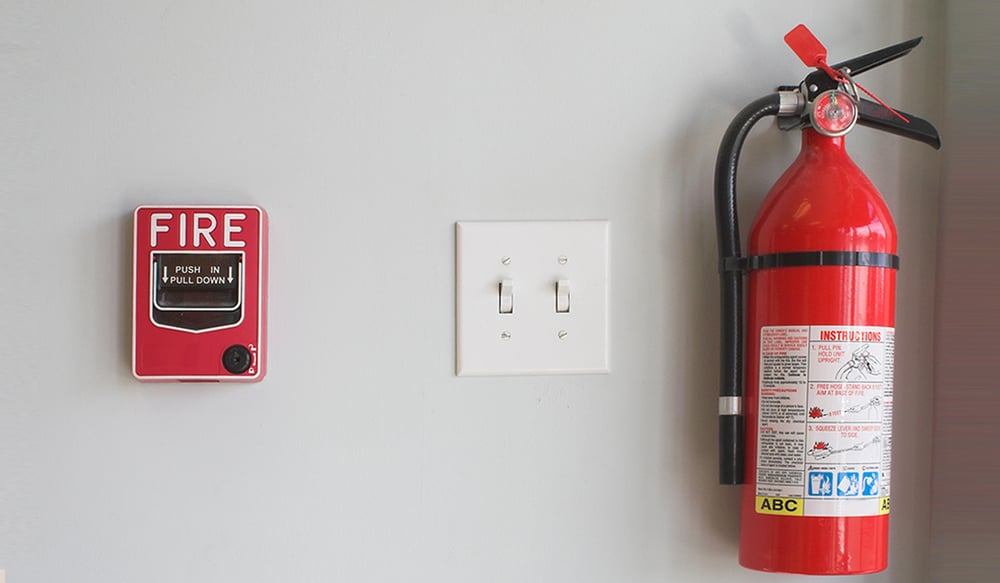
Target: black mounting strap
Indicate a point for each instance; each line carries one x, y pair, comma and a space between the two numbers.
811, 259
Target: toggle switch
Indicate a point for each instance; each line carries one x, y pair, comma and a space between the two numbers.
506, 297
562, 296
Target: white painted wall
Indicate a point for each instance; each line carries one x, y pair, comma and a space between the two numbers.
366, 130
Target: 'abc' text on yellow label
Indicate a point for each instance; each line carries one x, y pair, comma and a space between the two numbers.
779, 506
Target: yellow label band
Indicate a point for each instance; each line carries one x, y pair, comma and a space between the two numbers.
883, 507
781, 506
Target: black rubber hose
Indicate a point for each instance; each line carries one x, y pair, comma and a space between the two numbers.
731, 426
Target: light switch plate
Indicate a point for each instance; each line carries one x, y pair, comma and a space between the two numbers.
533, 256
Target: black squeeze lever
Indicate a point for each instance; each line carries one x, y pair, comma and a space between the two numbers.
876, 116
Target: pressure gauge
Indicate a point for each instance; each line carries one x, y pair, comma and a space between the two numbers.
833, 113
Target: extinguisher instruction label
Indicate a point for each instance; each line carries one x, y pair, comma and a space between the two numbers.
824, 420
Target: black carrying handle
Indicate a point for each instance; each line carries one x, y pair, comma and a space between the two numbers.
859, 65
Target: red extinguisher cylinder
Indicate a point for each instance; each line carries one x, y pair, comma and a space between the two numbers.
805, 410
818, 396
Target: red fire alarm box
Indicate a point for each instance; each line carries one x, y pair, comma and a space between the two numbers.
199, 293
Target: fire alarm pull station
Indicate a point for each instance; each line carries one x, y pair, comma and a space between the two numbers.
199, 293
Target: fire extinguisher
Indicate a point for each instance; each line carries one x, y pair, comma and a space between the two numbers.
810, 438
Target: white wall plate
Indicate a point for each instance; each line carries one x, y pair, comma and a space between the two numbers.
537, 336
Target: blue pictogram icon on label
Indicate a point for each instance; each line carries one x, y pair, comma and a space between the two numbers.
821, 483
848, 484
869, 484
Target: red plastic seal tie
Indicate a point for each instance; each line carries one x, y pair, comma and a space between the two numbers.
805, 44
